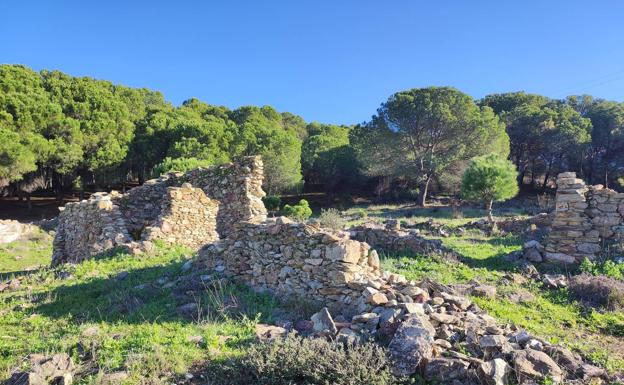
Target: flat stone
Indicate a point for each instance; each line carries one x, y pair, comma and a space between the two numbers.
323, 321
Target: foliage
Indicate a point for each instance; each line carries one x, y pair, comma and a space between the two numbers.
425, 133
489, 179
62, 129
178, 164
546, 136
327, 157
272, 202
608, 268
301, 211
331, 218
360, 213
296, 360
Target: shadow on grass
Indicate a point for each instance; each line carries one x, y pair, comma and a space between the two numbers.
441, 212
156, 294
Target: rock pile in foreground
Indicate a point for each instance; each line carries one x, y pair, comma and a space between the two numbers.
445, 337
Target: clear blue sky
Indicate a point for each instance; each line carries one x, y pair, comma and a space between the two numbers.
326, 60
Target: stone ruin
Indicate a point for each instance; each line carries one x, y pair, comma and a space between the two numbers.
431, 328
191, 209
586, 218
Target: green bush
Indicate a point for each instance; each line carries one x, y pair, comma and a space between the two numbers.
178, 164
301, 211
295, 360
272, 202
489, 179
608, 268
332, 219
360, 213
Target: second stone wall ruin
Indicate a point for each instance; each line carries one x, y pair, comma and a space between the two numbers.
586, 218
192, 209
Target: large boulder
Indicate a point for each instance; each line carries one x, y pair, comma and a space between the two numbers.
412, 345
535, 365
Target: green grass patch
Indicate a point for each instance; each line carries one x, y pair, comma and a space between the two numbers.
27, 253
129, 324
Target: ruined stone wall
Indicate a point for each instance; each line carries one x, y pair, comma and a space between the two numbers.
87, 228
304, 261
586, 217
142, 205
187, 217
238, 189
191, 209
395, 240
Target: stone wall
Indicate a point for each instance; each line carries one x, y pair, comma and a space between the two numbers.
392, 239
586, 217
237, 187
304, 261
87, 228
192, 209
187, 217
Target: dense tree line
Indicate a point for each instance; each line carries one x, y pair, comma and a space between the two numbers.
59, 132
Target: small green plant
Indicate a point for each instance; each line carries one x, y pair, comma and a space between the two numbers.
608, 268
301, 211
360, 214
295, 360
272, 202
332, 219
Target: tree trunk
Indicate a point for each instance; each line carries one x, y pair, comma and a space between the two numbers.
489, 208
547, 175
29, 202
82, 186
422, 192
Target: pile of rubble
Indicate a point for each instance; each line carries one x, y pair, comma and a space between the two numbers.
445, 337
45, 370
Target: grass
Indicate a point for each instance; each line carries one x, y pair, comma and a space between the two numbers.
131, 324
26, 253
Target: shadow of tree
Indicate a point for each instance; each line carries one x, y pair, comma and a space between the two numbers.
155, 294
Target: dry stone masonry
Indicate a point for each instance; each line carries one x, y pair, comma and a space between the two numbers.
192, 209
391, 239
291, 258
586, 217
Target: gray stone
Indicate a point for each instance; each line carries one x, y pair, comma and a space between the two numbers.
532, 364
495, 372
322, 321
411, 345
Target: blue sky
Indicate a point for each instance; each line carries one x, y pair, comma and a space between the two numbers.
326, 60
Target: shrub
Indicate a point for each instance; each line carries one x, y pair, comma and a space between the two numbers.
608, 268
598, 290
295, 360
272, 202
332, 219
489, 179
178, 164
360, 213
301, 211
